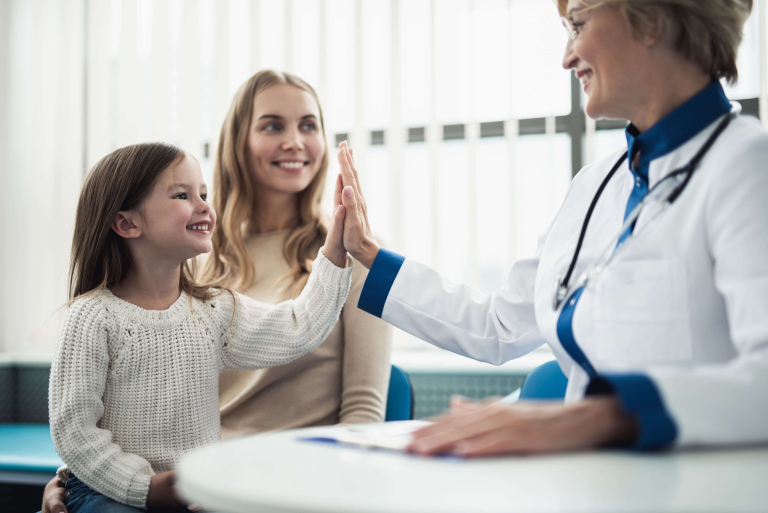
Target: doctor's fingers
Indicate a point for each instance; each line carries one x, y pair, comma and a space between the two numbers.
446, 421
461, 404
351, 160
443, 435
507, 432
349, 174
463, 412
355, 220
506, 440
528, 436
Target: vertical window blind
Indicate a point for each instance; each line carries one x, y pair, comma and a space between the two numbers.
466, 129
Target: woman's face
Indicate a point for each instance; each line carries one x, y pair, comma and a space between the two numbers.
285, 144
607, 60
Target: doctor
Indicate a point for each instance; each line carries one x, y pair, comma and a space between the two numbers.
651, 284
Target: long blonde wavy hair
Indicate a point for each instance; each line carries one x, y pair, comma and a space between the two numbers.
235, 198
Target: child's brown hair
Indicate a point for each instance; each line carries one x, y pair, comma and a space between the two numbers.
120, 181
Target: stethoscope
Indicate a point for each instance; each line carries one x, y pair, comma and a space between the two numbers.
662, 195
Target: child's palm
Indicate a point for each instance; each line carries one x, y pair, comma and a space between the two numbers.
334, 241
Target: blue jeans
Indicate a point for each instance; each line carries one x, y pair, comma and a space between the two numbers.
80, 498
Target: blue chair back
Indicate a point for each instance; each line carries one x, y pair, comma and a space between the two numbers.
546, 381
400, 396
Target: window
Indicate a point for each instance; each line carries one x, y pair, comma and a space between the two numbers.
466, 127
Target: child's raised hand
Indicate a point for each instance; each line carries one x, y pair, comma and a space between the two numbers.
334, 241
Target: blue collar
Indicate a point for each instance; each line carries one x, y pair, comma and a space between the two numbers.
677, 127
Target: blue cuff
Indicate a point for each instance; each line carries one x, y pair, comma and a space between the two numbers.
379, 281
640, 397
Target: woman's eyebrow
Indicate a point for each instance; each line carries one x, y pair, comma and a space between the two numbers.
275, 116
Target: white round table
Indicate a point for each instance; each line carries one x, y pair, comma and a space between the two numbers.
276, 472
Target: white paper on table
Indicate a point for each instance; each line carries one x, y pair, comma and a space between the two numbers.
389, 435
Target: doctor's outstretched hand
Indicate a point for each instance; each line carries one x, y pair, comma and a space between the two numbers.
489, 429
358, 239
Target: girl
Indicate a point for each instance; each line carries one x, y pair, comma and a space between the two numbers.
134, 378
269, 179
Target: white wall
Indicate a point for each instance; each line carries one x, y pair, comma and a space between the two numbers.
42, 165
4, 170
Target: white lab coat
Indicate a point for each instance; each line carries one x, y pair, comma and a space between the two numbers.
685, 303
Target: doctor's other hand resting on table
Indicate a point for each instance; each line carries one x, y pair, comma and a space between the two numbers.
476, 429
649, 285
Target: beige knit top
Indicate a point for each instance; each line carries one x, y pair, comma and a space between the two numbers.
133, 390
343, 380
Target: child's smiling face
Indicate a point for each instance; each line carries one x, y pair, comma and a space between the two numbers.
176, 217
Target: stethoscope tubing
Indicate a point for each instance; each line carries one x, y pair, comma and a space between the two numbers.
561, 287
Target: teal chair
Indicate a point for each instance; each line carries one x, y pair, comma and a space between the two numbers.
400, 396
545, 382
27, 455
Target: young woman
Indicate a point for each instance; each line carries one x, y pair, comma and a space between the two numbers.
269, 180
665, 339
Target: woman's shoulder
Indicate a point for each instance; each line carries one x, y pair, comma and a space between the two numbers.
737, 163
746, 134
739, 154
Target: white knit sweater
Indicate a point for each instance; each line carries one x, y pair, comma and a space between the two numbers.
133, 390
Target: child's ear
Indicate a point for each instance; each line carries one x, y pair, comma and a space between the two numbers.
124, 226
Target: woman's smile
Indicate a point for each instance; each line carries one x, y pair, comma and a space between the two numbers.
292, 166
585, 76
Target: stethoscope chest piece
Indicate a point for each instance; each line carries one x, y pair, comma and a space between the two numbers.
560, 291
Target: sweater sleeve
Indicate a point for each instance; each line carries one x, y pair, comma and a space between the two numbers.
366, 359
78, 378
257, 335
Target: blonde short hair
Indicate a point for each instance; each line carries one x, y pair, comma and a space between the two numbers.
705, 32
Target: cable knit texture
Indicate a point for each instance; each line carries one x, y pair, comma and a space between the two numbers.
133, 390
344, 380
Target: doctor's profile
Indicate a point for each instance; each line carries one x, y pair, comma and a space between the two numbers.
650, 283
